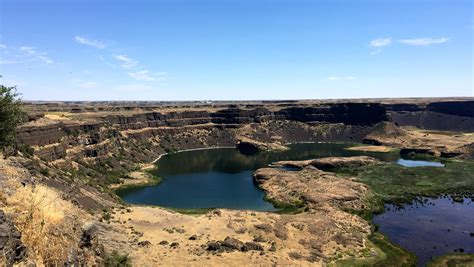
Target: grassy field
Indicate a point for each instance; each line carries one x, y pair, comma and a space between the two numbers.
394, 183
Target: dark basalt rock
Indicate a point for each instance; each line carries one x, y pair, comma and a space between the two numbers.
214, 246
347, 113
11, 246
144, 243
247, 148
458, 108
251, 246
231, 243
415, 151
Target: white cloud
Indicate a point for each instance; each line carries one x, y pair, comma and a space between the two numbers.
88, 42
2, 46
44, 59
380, 42
34, 55
145, 75
338, 78
127, 62
88, 85
28, 50
424, 41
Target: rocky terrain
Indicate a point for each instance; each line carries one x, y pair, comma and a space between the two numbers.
330, 163
77, 151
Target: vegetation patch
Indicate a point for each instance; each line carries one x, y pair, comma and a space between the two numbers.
115, 259
398, 184
386, 254
452, 260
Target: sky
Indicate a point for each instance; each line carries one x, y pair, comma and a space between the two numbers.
236, 49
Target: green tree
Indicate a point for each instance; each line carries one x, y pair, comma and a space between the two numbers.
11, 114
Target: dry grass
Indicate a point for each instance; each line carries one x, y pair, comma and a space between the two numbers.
46, 223
3, 259
3, 199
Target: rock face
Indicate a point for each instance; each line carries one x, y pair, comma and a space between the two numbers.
331, 163
443, 115
10, 241
248, 146
99, 147
457, 108
347, 113
92, 136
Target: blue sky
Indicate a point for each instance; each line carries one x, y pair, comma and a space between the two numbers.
236, 49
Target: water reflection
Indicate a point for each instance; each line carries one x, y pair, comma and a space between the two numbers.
430, 227
223, 177
418, 163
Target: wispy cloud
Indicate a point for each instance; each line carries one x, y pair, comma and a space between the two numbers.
377, 44
2, 46
145, 75
34, 55
126, 62
88, 85
131, 65
424, 41
134, 88
380, 42
28, 50
88, 42
338, 78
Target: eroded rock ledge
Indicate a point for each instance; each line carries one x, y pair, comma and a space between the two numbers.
249, 146
330, 163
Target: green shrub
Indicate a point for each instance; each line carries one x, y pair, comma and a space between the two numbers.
11, 115
115, 259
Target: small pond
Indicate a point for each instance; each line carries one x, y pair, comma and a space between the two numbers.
222, 178
418, 163
430, 227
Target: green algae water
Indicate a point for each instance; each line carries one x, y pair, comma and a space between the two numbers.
222, 177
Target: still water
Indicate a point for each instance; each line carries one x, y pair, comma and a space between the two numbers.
430, 227
222, 178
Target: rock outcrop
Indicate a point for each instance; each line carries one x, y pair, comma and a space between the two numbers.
249, 146
11, 246
440, 115
312, 187
331, 163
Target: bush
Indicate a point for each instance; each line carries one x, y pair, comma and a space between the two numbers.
26, 150
115, 259
44, 171
11, 115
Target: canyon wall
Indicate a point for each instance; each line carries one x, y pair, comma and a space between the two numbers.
78, 151
455, 116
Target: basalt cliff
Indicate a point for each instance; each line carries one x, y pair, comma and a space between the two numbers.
77, 151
